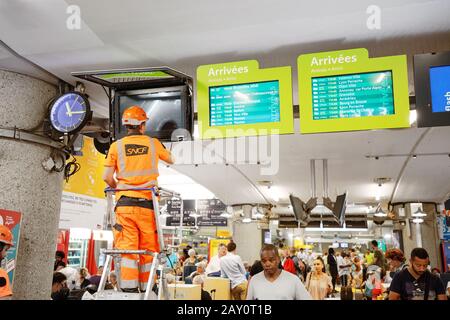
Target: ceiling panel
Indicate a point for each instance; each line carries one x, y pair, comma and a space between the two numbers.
225, 182
437, 140
425, 179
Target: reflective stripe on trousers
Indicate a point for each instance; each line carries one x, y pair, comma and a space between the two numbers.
129, 271
138, 233
144, 273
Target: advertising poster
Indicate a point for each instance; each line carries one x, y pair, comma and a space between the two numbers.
83, 202
12, 220
62, 243
446, 252
444, 225
214, 246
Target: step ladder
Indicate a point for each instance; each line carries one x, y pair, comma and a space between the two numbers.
159, 258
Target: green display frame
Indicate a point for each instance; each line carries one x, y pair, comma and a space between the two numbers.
240, 72
337, 63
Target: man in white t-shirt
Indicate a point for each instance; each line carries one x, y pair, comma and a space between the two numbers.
345, 267
274, 283
213, 268
232, 267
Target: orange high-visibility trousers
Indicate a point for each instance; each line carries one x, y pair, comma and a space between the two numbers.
138, 233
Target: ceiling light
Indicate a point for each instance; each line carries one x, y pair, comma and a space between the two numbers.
412, 116
259, 215
419, 213
380, 213
417, 220
246, 220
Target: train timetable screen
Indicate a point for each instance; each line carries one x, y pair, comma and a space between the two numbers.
245, 103
353, 95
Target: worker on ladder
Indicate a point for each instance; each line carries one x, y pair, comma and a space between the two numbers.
134, 160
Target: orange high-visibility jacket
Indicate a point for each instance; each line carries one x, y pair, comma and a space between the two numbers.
135, 159
5, 291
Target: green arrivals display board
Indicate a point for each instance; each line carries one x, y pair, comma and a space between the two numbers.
347, 91
354, 95
240, 99
244, 103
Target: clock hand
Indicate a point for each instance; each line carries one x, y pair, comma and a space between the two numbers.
74, 102
78, 112
69, 113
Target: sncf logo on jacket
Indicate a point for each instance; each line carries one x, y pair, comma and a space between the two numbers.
135, 150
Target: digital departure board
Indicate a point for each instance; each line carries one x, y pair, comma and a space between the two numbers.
353, 95
245, 103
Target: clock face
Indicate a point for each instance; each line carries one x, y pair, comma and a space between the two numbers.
69, 112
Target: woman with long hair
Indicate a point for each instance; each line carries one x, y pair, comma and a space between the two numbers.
318, 283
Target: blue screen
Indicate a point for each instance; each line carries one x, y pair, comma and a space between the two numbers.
244, 103
440, 88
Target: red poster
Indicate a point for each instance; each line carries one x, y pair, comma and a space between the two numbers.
62, 243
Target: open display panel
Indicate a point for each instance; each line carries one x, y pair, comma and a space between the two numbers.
339, 208
432, 89
165, 94
168, 110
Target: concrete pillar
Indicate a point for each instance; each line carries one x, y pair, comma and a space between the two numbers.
409, 233
248, 238
423, 235
26, 187
430, 235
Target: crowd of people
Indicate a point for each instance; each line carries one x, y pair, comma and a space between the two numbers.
287, 273
72, 284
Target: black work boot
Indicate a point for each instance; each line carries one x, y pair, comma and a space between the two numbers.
130, 290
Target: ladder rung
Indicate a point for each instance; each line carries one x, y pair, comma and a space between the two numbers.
118, 251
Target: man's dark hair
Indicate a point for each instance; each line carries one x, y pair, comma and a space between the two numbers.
420, 253
60, 264
58, 277
257, 267
375, 243
269, 247
222, 245
60, 254
231, 246
330, 251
